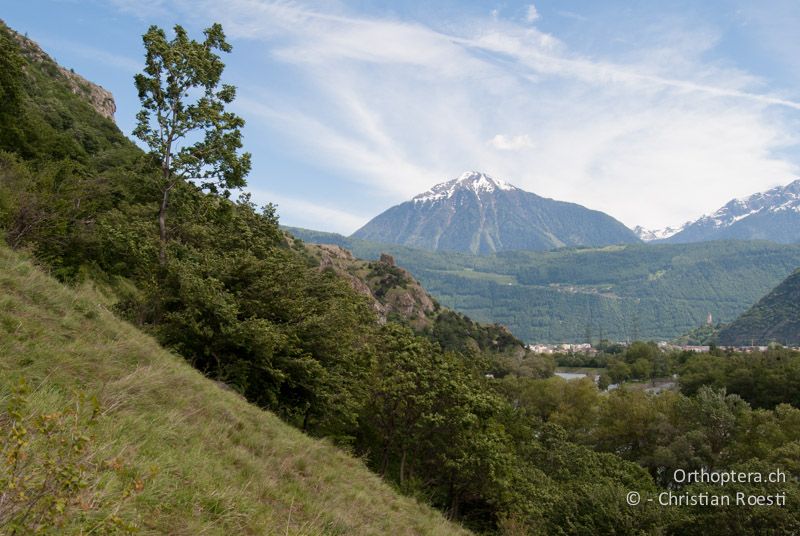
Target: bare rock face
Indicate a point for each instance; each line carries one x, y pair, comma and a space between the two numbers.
405, 297
413, 303
98, 97
335, 252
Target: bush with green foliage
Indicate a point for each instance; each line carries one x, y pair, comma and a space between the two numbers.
764, 379
50, 473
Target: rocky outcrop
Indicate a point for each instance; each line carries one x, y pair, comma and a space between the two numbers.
339, 260
98, 97
392, 291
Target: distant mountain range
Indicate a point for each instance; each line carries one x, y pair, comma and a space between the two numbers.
772, 215
478, 214
775, 318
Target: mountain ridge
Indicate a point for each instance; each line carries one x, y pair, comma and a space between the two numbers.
95, 95
773, 214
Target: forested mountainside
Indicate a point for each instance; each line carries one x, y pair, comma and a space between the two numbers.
123, 436
478, 214
775, 318
654, 291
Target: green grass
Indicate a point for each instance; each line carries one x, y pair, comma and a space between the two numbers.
216, 464
468, 273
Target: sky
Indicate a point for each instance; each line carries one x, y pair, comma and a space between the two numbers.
655, 112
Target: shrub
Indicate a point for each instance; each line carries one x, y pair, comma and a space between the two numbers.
50, 474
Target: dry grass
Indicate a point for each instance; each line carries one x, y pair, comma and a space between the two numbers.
218, 465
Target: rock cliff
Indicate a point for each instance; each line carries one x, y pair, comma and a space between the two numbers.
98, 97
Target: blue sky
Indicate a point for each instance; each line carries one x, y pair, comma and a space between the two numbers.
653, 111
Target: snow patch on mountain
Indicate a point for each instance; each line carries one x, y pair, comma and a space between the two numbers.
744, 218
648, 235
775, 200
473, 181
478, 214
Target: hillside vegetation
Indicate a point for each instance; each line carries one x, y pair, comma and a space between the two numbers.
618, 292
113, 432
775, 318
396, 296
170, 452
209, 462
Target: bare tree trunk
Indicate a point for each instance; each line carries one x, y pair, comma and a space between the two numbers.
385, 460
454, 499
403, 467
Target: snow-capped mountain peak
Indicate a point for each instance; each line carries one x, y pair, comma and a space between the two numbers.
770, 215
476, 213
648, 235
774, 200
474, 181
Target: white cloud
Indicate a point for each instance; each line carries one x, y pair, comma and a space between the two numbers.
531, 14
394, 107
365, 155
511, 143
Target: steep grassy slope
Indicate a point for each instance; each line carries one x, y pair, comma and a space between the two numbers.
217, 464
775, 318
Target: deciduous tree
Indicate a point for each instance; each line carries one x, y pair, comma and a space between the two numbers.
183, 119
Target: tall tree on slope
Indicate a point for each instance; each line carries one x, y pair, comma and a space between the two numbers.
183, 119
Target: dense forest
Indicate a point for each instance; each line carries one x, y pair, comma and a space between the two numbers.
450, 413
576, 295
775, 318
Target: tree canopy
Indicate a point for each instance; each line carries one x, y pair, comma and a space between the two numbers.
183, 120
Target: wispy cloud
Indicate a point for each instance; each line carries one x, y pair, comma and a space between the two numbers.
653, 138
366, 153
144, 9
117, 61
571, 15
531, 13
